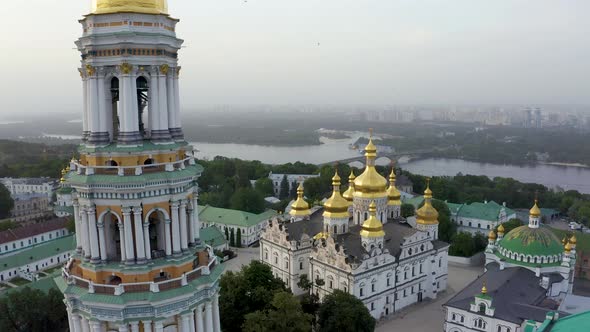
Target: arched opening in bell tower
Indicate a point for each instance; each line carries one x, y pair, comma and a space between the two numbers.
142, 103
115, 107
112, 236
157, 231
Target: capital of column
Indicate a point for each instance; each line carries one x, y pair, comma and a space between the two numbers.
76, 203
183, 203
91, 209
126, 211
174, 204
137, 209
100, 224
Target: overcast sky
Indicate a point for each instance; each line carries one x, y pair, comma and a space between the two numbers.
324, 52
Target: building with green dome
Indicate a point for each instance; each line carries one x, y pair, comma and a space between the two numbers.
534, 247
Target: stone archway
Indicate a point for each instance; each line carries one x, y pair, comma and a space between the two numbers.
111, 220
156, 220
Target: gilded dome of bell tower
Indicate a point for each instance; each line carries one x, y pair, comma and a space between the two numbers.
130, 6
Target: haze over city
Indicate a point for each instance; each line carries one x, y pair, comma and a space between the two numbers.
325, 52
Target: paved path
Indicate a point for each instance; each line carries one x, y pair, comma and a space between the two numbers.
429, 316
245, 256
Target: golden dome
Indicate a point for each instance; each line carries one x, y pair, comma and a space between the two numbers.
564, 240
501, 229
484, 289
370, 184
336, 206
349, 193
299, 208
427, 214
535, 211
130, 6
573, 240
491, 235
393, 195
568, 247
62, 180
372, 227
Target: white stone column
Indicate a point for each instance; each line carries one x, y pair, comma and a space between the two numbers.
163, 105
95, 326
134, 326
102, 107
200, 319
129, 254
135, 113
85, 325
77, 323
147, 325
183, 227
94, 248
122, 240
192, 321
216, 320
123, 327
129, 126
185, 326
84, 104
167, 235
175, 229
70, 319
146, 241
171, 100
85, 234
197, 222
159, 327
208, 317
139, 238
177, 119
78, 224
94, 123
102, 241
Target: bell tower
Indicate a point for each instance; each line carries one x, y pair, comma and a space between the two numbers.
139, 263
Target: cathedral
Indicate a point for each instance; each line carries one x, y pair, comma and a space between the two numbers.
528, 274
139, 264
358, 243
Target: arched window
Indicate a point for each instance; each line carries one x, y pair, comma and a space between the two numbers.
482, 308
142, 101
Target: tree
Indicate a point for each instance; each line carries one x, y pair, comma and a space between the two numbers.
286, 315
510, 225
249, 290
232, 242
226, 233
407, 210
239, 238
462, 245
264, 187
341, 311
8, 224
6, 202
310, 301
71, 224
247, 199
284, 188
32, 310
446, 228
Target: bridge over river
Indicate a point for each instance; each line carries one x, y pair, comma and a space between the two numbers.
380, 156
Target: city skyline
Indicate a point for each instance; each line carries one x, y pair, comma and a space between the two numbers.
346, 52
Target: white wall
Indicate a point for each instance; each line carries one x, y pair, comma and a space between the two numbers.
14, 246
36, 266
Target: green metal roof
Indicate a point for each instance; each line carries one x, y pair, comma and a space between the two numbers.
77, 179
484, 211
38, 252
454, 207
239, 218
532, 241
124, 298
212, 236
146, 146
573, 323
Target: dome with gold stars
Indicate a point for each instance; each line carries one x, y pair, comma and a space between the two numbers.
130, 6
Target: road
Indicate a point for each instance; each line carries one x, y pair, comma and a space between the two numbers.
429, 316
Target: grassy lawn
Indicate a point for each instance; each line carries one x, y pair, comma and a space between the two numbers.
51, 270
583, 239
19, 281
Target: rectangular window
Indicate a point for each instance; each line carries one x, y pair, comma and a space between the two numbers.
331, 284
405, 294
412, 290
372, 306
301, 265
373, 288
388, 282
361, 291
387, 299
395, 296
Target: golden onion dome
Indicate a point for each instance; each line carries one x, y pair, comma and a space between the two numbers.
370, 184
300, 207
130, 6
349, 193
393, 195
492, 235
484, 289
568, 247
535, 211
573, 240
501, 229
321, 235
372, 227
564, 240
62, 180
427, 214
336, 206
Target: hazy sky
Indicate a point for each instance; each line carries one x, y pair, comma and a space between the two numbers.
369, 52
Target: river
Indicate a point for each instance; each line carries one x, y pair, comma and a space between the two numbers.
566, 177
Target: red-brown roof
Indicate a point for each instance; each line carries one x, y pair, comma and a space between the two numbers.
32, 230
